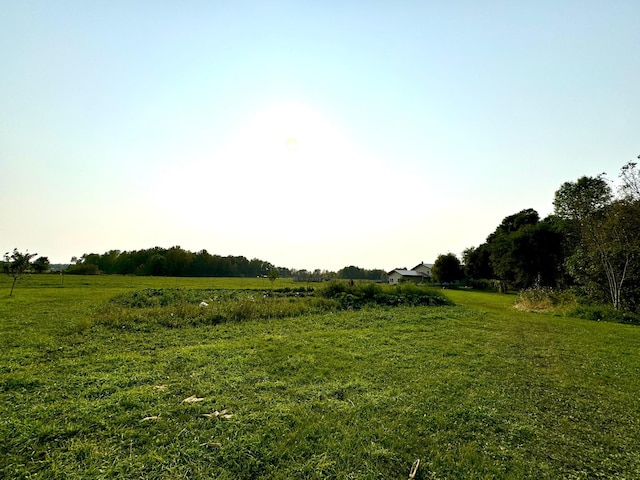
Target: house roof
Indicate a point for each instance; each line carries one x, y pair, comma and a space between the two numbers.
406, 273
430, 265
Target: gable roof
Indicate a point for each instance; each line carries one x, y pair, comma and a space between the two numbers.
406, 273
429, 265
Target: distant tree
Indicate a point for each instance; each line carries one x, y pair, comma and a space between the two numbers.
273, 275
155, 265
41, 264
16, 265
352, 272
447, 269
82, 269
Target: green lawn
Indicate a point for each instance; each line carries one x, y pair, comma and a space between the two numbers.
476, 390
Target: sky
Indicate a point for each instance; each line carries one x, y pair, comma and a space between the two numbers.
307, 134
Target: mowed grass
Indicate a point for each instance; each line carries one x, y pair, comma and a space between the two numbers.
476, 390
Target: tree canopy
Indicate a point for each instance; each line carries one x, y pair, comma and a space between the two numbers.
447, 269
591, 242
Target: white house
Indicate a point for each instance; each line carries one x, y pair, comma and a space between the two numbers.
419, 273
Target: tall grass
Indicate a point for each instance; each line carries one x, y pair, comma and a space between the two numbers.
545, 299
181, 308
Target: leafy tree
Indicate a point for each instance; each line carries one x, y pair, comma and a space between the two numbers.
447, 269
156, 265
352, 272
528, 256
608, 231
41, 264
16, 265
582, 199
522, 251
273, 275
477, 262
83, 269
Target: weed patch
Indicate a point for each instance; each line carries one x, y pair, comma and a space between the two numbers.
175, 308
544, 299
355, 296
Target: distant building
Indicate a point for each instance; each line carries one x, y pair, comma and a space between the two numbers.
418, 274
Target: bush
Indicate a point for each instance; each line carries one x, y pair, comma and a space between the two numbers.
605, 313
544, 298
484, 284
176, 307
361, 294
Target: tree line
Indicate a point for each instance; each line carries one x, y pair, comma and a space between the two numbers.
178, 262
590, 244
173, 262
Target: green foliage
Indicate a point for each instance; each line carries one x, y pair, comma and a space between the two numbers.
545, 299
606, 243
41, 264
16, 265
82, 269
604, 313
273, 275
485, 284
357, 273
592, 242
177, 307
630, 181
583, 198
358, 295
477, 263
174, 262
447, 269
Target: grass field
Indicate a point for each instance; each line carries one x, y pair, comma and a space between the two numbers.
475, 390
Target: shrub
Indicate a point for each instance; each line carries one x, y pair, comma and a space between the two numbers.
361, 294
83, 269
174, 307
142, 309
484, 284
605, 313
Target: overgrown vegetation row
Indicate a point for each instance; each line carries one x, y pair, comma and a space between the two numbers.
175, 307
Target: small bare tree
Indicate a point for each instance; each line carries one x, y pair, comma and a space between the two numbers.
630, 177
16, 265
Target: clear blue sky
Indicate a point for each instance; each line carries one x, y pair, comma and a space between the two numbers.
309, 134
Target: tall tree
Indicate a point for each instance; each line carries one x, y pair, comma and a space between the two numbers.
583, 199
607, 230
